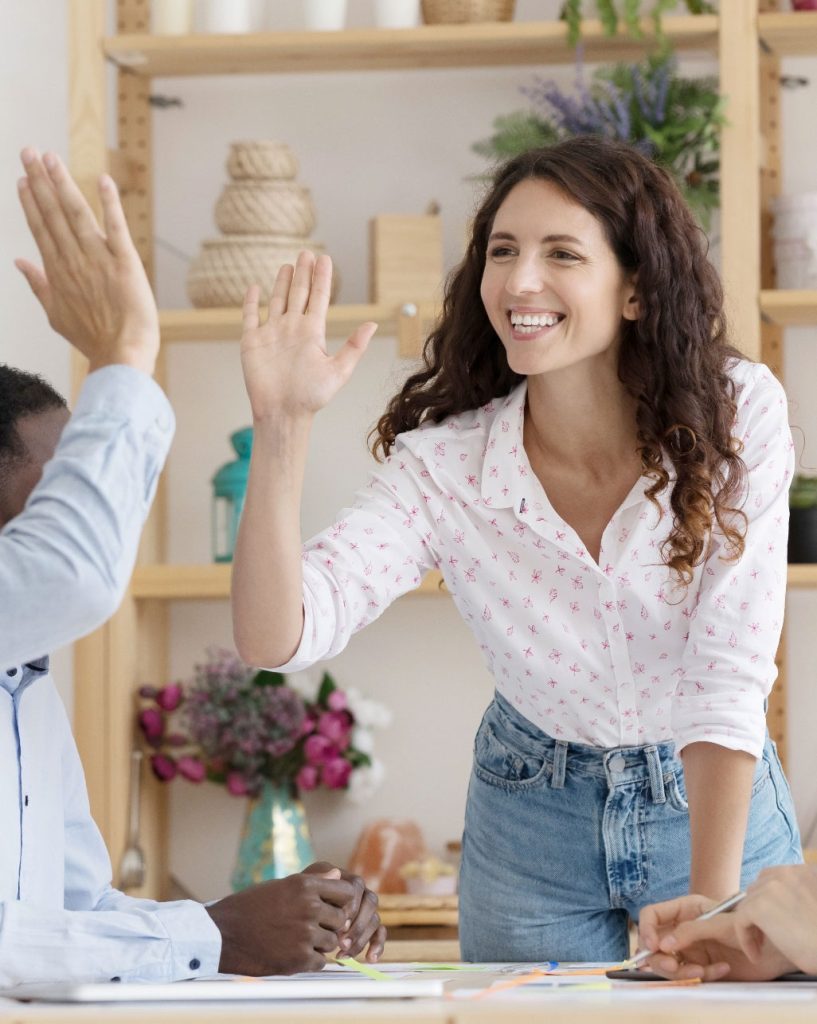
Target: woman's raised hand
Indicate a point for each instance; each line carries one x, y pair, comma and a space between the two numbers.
288, 371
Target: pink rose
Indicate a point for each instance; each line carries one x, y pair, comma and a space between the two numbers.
164, 768
237, 784
308, 725
169, 697
319, 749
191, 768
336, 773
307, 777
337, 727
152, 724
336, 700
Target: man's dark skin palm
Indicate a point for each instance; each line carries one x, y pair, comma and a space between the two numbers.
291, 924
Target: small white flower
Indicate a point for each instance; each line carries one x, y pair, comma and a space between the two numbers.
362, 739
364, 781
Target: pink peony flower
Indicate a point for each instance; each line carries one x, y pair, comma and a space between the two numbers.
337, 727
307, 777
152, 723
308, 725
319, 749
237, 784
169, 697
191, 768
336, 773
164, 768
336, 700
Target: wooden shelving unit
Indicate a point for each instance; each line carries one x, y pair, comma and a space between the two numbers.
748, 44
431, 46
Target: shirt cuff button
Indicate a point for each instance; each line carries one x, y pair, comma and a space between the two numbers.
194, 964
116, 978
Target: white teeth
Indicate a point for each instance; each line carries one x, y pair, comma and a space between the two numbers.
534, 319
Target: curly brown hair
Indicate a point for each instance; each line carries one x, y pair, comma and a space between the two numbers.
674, 359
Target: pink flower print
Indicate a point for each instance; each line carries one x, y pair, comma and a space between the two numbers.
528, 652
560, 570
710, 630
580, 552
577, 582
514, 557
453, 562
505, 602
439, 449
754, 628
553, 593
593, 677
520, 528
509, 631
583, 644
575, 607
470, 575
486, 614
644, 694
639, 668
621, 605
527, 601
720, 601
552, 682
733, 640
608, 570
623, 580
471, 480
504, 426
464, 456
629, 637
596, 614
555, 655
574, 668
668, 625
493, 471
459, 537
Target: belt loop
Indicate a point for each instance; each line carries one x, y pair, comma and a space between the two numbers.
656, 775
557, 780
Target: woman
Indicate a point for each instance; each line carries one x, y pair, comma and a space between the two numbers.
602, 481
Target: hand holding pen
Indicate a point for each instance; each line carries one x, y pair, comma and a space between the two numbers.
771, 931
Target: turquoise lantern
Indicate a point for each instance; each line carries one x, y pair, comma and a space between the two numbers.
229, 490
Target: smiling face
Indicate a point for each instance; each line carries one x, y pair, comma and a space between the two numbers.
552, 287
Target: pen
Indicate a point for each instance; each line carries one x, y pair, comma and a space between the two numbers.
720, 908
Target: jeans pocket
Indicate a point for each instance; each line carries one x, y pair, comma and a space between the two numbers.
500, 762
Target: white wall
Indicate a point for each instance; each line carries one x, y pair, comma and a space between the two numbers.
369, 143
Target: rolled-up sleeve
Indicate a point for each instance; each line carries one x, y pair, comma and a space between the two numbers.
729, 662
375, 552
66, 559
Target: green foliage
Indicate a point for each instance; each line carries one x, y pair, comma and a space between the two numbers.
628, 12
328, 684
675, 121
266, 678
803, 492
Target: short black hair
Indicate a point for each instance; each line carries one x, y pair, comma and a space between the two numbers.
21, 394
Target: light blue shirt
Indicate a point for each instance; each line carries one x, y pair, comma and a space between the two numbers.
64, 564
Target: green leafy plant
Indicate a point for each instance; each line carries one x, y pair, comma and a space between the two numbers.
627, 12
803, 492
675, 121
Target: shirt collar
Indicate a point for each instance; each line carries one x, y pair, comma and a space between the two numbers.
505, 466
17, 677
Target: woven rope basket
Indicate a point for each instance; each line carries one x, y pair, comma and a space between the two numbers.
437, 12
265, 207
226, 267
258, 160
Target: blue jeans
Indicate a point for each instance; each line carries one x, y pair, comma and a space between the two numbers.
564, 842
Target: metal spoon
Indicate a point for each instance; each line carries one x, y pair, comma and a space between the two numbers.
132, 865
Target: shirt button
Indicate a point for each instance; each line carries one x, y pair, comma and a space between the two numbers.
194, 964
116, 978
12, 672
617, 764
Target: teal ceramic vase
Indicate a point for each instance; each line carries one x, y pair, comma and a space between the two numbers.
229, 490
275, 841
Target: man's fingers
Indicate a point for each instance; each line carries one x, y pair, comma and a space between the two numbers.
78, 213
48, 203
36, 224
117, 233
377, 945
325, 941
37, 281
334, 891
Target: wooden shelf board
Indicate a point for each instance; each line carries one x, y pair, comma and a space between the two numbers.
225, 324
376, 49
789, 308
212, 582
803, 575
789, 34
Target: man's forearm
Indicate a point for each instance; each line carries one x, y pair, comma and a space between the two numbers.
719, 786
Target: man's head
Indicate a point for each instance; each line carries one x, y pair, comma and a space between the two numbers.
32, 417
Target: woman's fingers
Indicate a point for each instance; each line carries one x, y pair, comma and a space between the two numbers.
301, 286
347, 357
321, 290
78, 214
280, 290
117, 234
36, 224
249, 311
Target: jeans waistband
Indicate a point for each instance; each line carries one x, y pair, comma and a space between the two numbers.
618, 765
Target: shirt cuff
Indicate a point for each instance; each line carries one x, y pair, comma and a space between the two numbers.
123, 392
707, 719
195, 941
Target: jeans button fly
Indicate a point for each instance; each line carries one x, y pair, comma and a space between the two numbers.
617, 764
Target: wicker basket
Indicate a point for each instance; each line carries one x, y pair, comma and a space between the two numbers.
256, 160
226, 267
438, 12
265, 207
